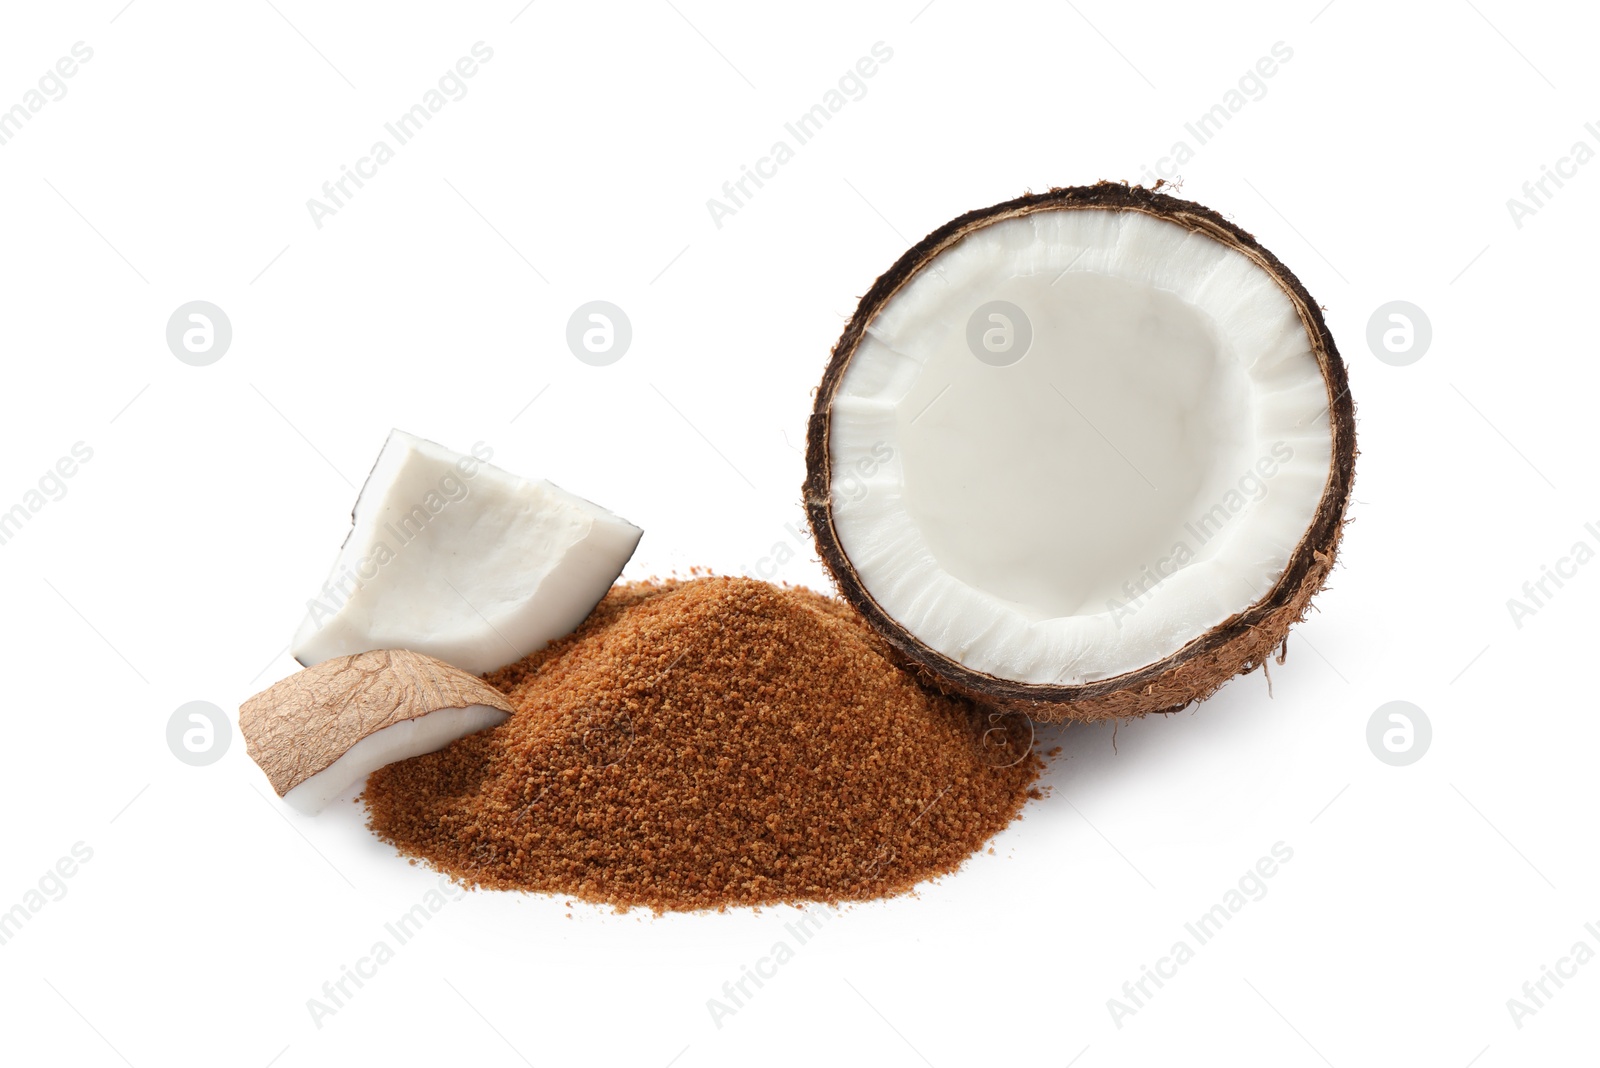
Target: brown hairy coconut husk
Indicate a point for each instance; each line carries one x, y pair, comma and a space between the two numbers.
1237, 643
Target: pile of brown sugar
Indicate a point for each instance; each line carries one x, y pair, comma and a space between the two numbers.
711, 742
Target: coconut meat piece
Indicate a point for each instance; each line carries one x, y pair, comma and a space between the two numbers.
1140, 474
321, 731
401, 741
453, 557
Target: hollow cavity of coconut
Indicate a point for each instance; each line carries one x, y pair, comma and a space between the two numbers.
1083, 454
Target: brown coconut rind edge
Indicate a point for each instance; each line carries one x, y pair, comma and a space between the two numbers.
1240, 643
303, 724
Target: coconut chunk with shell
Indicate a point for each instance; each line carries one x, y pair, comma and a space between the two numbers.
1084, 454
321, 731
451, 556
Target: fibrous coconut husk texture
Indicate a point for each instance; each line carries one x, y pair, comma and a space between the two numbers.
302, 724
1239, 644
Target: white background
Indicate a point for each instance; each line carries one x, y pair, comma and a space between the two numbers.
1378, 165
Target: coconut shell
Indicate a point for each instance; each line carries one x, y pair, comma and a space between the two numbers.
1240, 643
302, 724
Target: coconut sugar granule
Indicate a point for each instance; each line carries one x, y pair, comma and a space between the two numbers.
711, 742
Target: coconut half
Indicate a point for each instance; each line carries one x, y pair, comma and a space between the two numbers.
451, 556
322, 730
1084, 454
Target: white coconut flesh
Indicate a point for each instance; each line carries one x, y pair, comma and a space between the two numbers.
1142, 473
463, 561
399, 741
